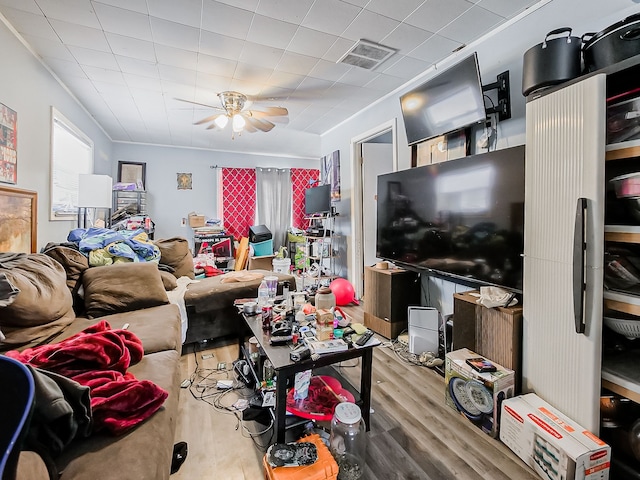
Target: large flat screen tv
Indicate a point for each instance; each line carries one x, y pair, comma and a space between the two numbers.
463, 218
450, 101
317, 200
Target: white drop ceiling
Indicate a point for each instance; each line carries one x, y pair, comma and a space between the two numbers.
127, 61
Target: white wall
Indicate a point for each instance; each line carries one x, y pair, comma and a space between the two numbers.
166, 204
27, 87
503, 51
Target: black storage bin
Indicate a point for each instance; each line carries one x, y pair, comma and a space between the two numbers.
259, 233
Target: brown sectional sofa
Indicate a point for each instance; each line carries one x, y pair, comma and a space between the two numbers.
145, 452
48, 310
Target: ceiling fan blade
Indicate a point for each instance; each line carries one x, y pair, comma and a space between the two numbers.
198, 103
260, 124
250, 128
271, 112
207, 119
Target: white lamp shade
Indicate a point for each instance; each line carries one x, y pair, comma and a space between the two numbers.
221, 121
94, 191
238, 123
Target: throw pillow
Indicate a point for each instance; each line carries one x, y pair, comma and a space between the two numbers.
42, 306
122, 287
175, 253
168, 280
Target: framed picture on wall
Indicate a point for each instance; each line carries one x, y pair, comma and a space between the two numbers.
133, 172
18, 220
8, 145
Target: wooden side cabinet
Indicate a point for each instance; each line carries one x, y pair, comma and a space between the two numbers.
387, 295
495, 333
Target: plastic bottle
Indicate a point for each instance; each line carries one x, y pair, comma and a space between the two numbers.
263, 294
325, 299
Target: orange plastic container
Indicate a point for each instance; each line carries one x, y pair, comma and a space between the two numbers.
324, 468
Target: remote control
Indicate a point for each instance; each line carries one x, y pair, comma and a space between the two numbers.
364, 338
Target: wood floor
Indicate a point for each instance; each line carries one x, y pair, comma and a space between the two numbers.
414, 435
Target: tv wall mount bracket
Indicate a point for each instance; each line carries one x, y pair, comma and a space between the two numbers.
503, 106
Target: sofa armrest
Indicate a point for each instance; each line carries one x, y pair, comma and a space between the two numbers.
31, 466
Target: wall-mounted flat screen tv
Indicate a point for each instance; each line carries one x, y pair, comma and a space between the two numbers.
462, 218
317, 200
450, 101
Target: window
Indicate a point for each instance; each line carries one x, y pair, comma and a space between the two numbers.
71, 155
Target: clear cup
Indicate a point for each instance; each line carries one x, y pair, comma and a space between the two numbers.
272, 285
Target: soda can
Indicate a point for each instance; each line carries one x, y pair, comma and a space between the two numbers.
267, 315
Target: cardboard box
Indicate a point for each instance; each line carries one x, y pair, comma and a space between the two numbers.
554, 446
196, 221
477, 395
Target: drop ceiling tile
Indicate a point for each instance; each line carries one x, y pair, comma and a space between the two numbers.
247, 87
208, 86
140, 82
220, 45
225, 19
81, 36
72, 11
398, 9
131, 47
471, 25
269, 31
359, 3
292, 11
338, 49
284, 80
370, 26
29, 23
177, 75
435, 49
358, 76
407, 68
250, 5
176, 57
331, 16
29, 6
295, 63
104, 75
187, 12
112, 91
405, 38
329, 70
138, 67
85, 56
385, 83
216, 65
175, 34
49, 48
261, 55
124, 22
252, 73
139, 6
311, 42
314, 86
506, 8
64, 68
435, 14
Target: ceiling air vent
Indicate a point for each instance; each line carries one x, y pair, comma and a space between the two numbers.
366, 55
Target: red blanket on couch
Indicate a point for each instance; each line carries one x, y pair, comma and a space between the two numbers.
98, 357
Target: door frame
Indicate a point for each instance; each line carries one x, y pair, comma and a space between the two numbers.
355, 261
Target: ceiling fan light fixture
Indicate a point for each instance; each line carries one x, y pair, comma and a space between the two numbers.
238, 123
221, 121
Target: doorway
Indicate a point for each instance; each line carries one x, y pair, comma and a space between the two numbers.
372, 153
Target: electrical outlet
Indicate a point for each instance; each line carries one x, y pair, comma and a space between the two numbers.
207, 356
222, 366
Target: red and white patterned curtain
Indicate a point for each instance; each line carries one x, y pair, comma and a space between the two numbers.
301, 179
238, 200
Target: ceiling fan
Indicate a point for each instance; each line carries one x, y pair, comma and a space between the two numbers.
233, 104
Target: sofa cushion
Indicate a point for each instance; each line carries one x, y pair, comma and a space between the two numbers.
42, 308
144, 453
74, 264
169, 281
175, 253
122, 287
158, 328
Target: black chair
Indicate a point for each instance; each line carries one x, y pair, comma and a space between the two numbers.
16, 405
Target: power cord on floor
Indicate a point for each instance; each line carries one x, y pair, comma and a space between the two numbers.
400, 346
